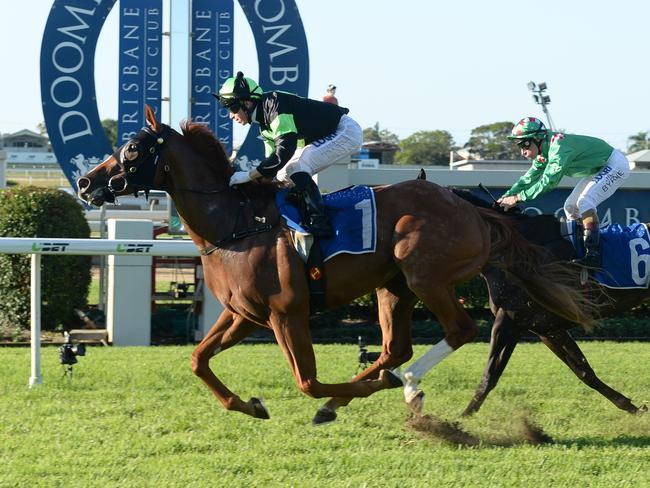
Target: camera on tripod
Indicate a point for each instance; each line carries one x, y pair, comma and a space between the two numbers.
364, 356
68, 352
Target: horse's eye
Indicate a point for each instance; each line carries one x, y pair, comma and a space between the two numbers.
131, 152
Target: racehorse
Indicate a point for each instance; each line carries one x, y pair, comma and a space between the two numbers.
428, 240
515, 313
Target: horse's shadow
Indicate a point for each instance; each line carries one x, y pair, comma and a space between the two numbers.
620, 441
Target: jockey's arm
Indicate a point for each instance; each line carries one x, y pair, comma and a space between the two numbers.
285, 147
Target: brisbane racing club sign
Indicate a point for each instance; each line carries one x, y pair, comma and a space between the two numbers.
68, 70
68, 84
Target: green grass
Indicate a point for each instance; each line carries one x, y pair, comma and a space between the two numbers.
134, 417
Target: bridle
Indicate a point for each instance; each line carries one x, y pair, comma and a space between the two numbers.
140, 173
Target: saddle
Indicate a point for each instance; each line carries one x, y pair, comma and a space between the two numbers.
351, 212
625, 255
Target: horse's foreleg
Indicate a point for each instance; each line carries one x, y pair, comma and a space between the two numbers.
228, 330
502, 342
294, 338
396, 303
565, 347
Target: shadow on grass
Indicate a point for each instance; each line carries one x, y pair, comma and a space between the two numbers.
620, 441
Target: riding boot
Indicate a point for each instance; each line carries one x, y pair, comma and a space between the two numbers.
592, 257
312, 211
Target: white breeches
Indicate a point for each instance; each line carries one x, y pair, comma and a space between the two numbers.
324, 152
593, 190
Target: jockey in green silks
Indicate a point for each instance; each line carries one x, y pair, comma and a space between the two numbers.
554, 155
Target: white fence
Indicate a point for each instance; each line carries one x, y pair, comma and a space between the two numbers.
124, 248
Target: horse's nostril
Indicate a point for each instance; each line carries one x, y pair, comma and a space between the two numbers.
83, 184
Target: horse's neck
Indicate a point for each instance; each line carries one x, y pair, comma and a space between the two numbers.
210, 217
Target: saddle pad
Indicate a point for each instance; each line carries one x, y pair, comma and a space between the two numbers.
626, 256
352, 214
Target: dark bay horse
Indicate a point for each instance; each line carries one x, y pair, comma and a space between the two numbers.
428, 240
515, 313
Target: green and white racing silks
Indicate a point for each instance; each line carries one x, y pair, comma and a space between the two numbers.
561, 155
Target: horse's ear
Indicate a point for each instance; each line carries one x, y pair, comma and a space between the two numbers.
150, 116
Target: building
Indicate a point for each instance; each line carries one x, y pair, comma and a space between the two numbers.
24, 141
26, 152
640, 159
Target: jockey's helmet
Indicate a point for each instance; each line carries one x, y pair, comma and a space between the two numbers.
237, 88
528, 128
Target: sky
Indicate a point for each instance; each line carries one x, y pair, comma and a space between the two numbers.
414, 65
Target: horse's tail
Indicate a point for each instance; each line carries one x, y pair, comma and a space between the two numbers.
552, 284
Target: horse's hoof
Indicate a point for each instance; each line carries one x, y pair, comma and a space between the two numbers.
259, 409
324, 416
415, 402
642, 409
394, 381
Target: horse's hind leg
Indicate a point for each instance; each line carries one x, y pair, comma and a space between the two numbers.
396, 303
459, 329
565, 347
502, 342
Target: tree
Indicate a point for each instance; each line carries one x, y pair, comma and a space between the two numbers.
376, 134
490, 141
30, 211
638, 141
42, 130
110, 129
426, 148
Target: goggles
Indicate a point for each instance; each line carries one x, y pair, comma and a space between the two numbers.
525, 144
232, 104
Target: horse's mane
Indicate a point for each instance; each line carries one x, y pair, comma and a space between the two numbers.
205, 142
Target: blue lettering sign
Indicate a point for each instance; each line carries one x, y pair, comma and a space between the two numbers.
140, 71
212, 63
68, 84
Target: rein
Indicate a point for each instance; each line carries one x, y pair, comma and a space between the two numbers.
140, 173
205, 251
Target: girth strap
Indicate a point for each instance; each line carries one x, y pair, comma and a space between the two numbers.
233, 237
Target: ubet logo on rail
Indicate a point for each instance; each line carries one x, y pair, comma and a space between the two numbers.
50, 247
143, 248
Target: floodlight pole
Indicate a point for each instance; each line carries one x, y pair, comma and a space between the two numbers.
542, 99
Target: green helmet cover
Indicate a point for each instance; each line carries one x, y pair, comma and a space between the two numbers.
528, 128
238, 88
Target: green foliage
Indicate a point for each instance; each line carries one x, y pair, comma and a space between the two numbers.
42, 212
110, 129
639, 141
375, 133
133, 417
490, 141
426, 148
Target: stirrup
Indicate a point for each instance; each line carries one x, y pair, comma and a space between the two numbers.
320, 228
589, 260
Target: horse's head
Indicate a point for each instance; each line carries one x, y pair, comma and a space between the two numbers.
132, 168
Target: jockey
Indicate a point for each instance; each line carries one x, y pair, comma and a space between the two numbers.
554, 155
284, 119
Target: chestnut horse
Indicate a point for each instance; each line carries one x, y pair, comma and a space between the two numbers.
514, 313
428, 240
